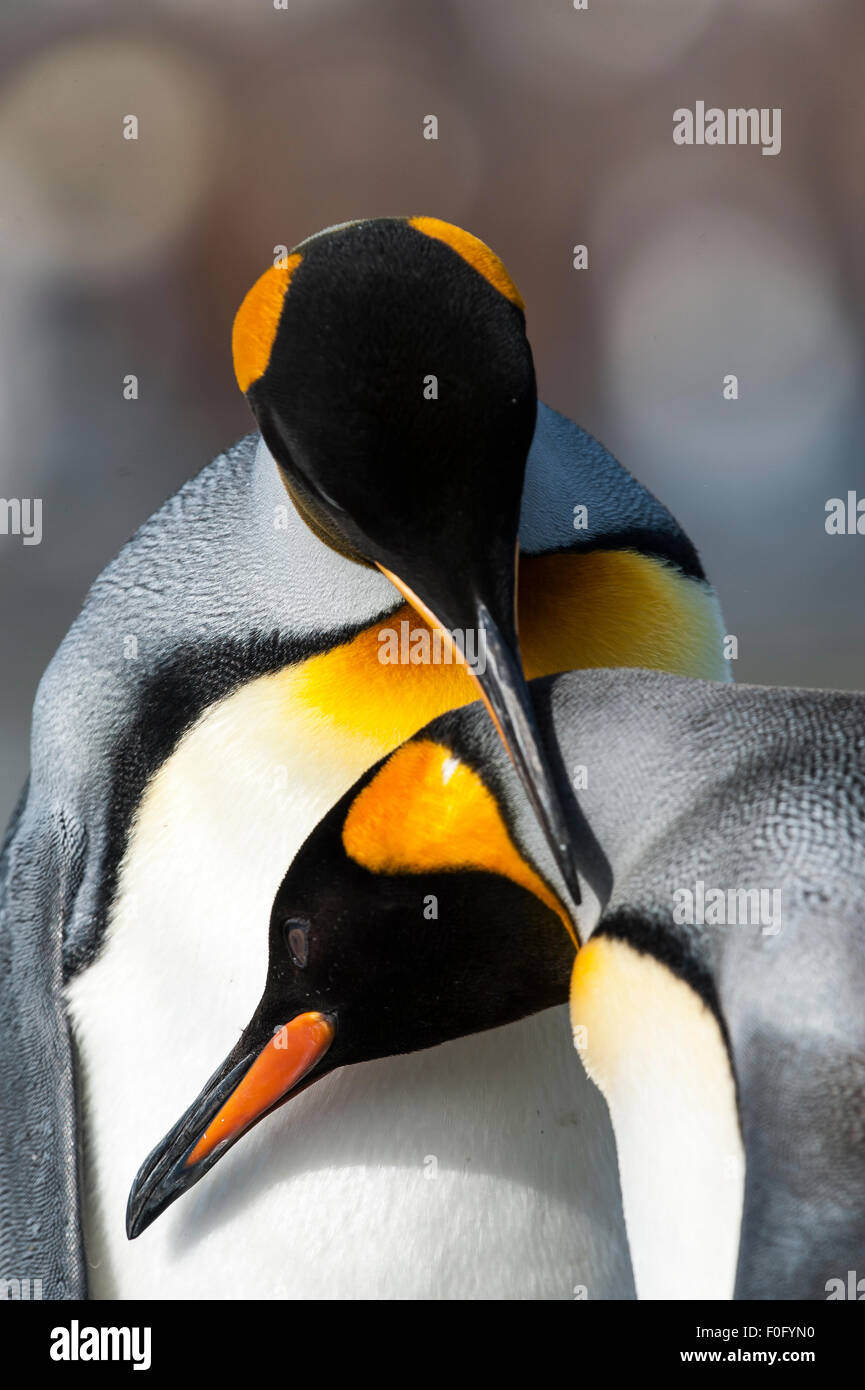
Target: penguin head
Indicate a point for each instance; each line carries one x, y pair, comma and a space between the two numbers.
411, 916
387, 365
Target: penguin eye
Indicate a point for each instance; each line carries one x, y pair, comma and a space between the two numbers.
296, 936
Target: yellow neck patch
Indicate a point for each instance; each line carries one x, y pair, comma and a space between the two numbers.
257, 320
427, 812
477, 253
616, 608
606, 608
361, 696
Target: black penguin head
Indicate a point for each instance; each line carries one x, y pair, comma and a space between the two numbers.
408, 959
388, 368
397, 927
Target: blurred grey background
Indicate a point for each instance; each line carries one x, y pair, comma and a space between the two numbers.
258, 126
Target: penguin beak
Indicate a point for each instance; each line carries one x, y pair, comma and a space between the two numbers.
497, 670
253, 1080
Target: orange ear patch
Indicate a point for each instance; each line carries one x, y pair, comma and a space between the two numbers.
476, 252
257, 320
427, 812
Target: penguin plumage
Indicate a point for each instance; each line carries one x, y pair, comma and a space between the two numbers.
727, 1037
717, 998
220, 690
366, 962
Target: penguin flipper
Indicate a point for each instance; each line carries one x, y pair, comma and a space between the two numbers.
40, 1217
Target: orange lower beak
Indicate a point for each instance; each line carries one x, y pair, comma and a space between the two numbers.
276, 1070
240, 1094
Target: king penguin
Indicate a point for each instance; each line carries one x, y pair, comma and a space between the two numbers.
410, 919
716, 999
223, 686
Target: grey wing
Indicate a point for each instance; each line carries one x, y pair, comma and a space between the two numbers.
40, 1221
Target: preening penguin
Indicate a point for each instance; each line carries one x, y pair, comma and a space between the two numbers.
717, 1000
223, 687
416, 463
423, 452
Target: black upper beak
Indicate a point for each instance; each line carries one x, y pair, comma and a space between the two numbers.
506, 695
164, 1175
497, 669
